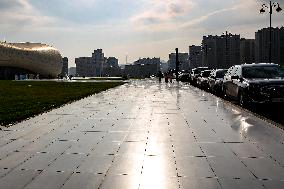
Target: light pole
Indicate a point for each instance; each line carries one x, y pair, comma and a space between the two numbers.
177, 65
270, 8
226, 48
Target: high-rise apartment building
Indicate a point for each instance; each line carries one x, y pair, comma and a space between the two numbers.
143, 67
91, 66
154, 60
262, 45
85, 67
183, 61
282, 47
98, 57
195, 56
140, 70
149, 61
64, 71
221, 51
247, 51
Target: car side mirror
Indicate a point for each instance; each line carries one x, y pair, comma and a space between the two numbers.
235, 77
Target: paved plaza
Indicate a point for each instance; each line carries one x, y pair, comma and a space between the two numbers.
143, 135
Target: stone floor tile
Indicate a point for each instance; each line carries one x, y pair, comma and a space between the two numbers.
241, 183
17, 179
143, 135
83, 181
195, 183
48, 179
229, 167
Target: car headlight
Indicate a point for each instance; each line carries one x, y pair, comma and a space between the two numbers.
268, 90
253, 87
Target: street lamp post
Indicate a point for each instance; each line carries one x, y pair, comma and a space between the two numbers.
270, 8
177, 65
226, 47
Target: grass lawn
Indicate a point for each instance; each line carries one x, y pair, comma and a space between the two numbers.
22, 99
99, 78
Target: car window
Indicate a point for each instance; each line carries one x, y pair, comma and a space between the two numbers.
262, 72
221, 73
205, 73
238, 71
233, 72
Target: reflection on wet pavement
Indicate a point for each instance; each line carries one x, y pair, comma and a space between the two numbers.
143, 135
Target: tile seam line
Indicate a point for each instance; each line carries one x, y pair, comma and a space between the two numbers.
218, 181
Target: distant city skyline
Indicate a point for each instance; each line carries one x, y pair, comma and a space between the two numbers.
141, 28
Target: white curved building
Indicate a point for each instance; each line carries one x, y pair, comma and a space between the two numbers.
29, 58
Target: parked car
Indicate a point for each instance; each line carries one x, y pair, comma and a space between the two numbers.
202, 81
195, 73
215, 81
184, 77
255, 83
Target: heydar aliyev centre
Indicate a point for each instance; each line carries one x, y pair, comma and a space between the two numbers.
29, 58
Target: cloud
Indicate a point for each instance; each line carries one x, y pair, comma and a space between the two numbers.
161, 14
140, 27
241, 17
13, 4
199, 20
82, 3
18, 15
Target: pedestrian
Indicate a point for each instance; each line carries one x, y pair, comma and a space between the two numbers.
170, 76
160, 75
166, 77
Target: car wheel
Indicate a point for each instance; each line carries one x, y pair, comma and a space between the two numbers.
213, 90
218, 92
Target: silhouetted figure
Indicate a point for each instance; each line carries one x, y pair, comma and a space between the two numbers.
170, 75
160, 75
166, 77
177, 65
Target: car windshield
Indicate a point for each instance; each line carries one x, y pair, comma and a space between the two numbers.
221, 73
205, 73
199, 70
263, 72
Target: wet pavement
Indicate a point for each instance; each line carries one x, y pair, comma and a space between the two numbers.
143, 135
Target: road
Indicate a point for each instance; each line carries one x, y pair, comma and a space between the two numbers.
143, 135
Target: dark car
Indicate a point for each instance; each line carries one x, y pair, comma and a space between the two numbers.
255, 83
215, 81
202, 81
195, 73
184, 77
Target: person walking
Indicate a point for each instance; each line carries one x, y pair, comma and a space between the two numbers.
160, 75
166, 77
170, 75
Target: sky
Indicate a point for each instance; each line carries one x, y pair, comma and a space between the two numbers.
132, 28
